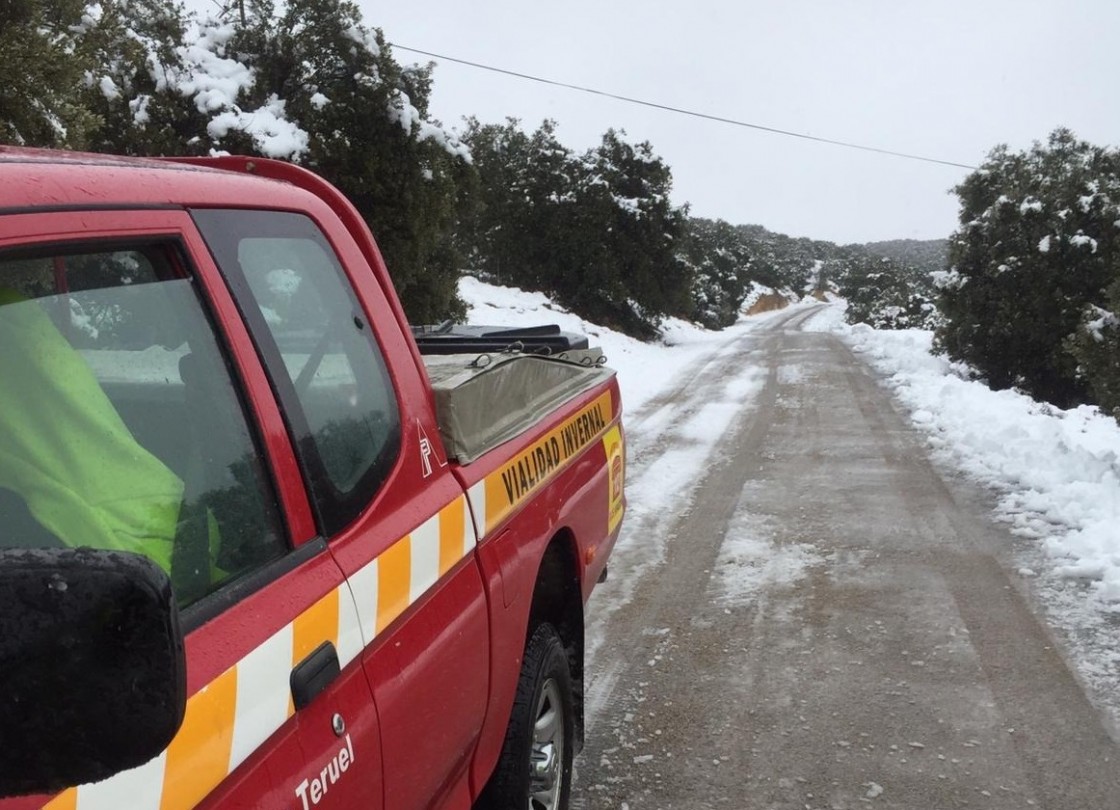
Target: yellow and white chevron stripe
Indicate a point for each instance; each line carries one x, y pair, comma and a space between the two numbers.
229, 718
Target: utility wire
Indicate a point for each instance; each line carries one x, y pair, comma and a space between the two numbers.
680, 111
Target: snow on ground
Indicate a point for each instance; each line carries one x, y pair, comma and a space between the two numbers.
1056, 475
672, 446
750, 562
644, 368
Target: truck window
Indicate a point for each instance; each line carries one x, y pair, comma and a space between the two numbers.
121, 427
319, 351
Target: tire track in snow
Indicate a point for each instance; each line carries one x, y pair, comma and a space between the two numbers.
676, 446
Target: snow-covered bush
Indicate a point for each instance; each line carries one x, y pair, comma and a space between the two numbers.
1038, 244
886, 294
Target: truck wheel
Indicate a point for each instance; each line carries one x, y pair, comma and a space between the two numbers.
535, 768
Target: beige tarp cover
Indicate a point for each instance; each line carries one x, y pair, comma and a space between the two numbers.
485, 400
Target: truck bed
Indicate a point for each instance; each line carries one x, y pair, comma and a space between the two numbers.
485, 400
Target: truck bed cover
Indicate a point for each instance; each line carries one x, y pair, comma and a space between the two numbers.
485, 400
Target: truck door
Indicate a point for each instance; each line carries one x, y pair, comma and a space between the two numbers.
137, 416
395, 518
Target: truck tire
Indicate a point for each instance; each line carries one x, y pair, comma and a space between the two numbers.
535, 768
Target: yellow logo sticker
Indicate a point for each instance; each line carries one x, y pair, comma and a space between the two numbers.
616, 474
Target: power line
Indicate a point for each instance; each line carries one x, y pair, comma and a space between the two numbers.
680, 111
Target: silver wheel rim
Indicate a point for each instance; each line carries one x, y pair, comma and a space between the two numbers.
546, 755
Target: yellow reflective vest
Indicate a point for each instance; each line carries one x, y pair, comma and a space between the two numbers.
65, 450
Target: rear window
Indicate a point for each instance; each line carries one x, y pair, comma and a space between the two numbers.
320, 352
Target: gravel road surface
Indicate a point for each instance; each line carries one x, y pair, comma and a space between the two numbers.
835, 623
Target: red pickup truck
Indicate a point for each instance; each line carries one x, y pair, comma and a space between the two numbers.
240, 563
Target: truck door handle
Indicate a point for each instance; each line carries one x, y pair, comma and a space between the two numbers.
314, 674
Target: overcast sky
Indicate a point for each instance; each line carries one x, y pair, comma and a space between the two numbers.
944, 78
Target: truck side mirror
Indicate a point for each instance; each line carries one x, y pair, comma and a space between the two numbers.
92, 666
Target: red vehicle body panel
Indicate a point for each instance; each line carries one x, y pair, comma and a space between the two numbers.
426, 599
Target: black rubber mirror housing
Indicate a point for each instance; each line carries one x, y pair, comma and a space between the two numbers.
93, 674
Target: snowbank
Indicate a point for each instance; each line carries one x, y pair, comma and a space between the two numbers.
644, 368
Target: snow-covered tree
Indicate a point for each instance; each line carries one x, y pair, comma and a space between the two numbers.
596, 230
367, 129
305, 81
527, 185
158, 78
886, 294
720, 260
43, 63
642, 277
1096, 345
784, 262
1038, 244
